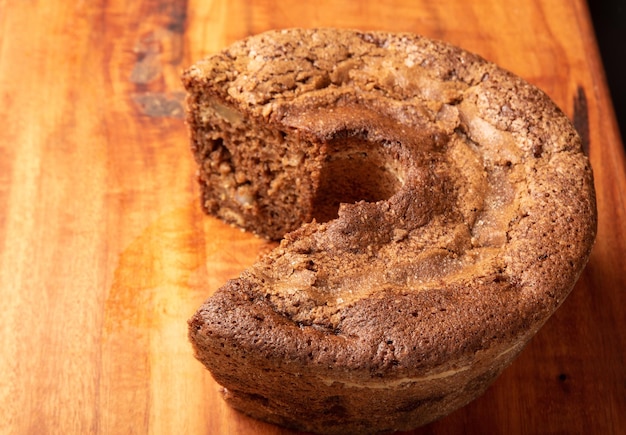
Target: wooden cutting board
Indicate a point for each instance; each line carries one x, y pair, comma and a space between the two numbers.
105, 253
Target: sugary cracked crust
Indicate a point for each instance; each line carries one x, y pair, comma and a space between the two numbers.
401, 309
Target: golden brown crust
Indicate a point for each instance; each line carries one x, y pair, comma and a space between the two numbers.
467, 217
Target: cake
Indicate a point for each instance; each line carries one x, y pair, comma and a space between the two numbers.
433, 211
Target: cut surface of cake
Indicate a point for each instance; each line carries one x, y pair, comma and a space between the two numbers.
433, 211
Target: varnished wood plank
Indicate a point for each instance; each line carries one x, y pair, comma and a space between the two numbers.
104, 251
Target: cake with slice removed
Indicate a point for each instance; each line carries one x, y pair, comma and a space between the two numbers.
433, 210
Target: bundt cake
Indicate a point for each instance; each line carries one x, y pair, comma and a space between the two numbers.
433, 211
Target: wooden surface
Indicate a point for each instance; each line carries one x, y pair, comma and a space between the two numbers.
104, 252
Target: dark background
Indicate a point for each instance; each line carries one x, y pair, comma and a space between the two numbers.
609, 21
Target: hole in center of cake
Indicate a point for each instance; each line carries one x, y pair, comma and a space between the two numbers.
351, 175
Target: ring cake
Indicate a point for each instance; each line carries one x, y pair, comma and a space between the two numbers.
434, 211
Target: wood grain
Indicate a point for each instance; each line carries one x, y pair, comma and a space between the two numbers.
105, 253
